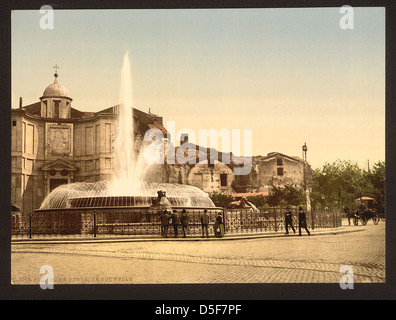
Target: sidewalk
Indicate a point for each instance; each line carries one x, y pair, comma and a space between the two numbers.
139, 238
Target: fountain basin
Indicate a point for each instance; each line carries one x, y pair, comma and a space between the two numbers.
101, 195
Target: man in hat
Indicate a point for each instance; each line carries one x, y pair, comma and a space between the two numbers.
175, 222
204, 223
302, 221
184, 219
164, 223
289, 220
219, 226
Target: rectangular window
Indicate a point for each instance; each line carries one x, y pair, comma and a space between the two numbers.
223, 180
56, 109
24, 137
211, 162
108, 137
89, 141
280, 171
14, 123
279, 161
97, 139
28, 138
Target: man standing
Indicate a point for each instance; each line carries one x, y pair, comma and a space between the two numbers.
184, 219
219, 227
204, 224
175, 222
302, 221
164, 223
289, 220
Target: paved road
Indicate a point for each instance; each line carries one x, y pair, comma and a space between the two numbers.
288, 259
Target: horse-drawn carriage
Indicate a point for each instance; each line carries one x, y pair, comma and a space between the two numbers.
364, 211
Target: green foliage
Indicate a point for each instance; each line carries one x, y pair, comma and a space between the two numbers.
293, 196
275, 197
376, 186
288, 195
337, 185
259, 201
221, 200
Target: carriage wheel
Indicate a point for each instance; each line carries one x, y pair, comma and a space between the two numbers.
364, 221
375, 219
355, 221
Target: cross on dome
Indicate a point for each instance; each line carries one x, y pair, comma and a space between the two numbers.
56, 70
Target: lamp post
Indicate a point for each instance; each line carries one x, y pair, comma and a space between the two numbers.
305, 149
306, 188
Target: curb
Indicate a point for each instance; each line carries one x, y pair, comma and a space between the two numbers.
336, 231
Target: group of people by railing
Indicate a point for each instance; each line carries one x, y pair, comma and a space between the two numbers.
171, 218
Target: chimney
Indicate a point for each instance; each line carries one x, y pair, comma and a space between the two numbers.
183, 138
20, 103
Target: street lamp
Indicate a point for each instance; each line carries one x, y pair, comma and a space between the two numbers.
305, 149
306, 188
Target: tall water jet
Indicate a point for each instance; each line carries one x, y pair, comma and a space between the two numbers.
128, 168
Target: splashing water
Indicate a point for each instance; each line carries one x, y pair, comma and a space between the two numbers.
129, 169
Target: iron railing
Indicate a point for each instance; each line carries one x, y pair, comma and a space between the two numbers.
118, 222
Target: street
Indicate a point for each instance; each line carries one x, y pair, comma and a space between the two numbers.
282, 259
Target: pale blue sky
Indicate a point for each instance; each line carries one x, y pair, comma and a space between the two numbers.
290, 75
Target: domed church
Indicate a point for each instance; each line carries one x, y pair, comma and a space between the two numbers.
53, 143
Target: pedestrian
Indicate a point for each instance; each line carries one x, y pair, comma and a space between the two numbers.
164, 223
174, 221
302, 221
184, 220
219, 227
204, 223
289, 220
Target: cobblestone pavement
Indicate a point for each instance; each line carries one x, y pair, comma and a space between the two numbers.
286, 259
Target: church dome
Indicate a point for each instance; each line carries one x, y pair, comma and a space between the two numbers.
55, 90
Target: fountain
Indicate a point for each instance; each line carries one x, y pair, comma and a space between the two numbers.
127, 187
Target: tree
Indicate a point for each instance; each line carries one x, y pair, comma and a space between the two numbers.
275, 197
376, 185
337, 185
259, 201
293, 196
288, 195
221, 200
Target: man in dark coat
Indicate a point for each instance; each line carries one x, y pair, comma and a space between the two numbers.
204, 223
219, 227
184, 220
164, 223
289, 220
302, 221
174, 220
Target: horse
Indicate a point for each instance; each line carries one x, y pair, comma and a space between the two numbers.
350, 213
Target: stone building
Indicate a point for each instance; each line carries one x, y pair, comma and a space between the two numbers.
274, 170
54, 144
